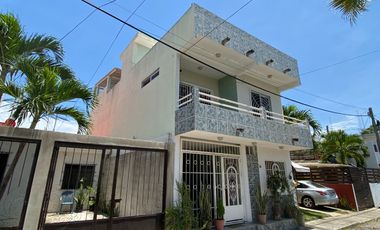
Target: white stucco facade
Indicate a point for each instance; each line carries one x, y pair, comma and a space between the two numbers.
146, 107
373, 161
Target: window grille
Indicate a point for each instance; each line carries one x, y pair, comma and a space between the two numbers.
272, 166
150, 78
185, 89
74, 173
260, 100
210, 147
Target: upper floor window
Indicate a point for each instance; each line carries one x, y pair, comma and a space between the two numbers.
375, 148
150, 78
259, 100
185, 89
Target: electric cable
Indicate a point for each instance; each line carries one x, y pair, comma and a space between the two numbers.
214, 68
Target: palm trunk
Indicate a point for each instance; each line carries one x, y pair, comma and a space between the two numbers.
34, 122
3, 76
7, 177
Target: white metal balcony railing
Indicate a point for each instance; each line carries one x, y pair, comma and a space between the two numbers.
233, 105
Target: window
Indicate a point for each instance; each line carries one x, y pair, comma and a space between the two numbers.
186, 89
301, 185
375, 148
259, 100
74, 173
274, 166
150, 78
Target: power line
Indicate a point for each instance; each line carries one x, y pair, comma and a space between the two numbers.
330, 100
219, 25
113, 42
83, 20
168, 31
340, 62
214, 68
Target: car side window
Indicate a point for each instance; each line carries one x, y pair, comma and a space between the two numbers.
302, 186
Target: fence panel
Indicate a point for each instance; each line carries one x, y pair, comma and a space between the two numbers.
18, 159
97, 187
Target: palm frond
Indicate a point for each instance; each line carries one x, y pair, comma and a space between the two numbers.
83, 121
350, 9
41, 45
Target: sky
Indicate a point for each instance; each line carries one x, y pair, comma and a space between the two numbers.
310, 31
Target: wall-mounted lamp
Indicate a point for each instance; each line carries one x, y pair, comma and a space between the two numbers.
286, 70
294, 140
219, 138
239, 131
249, 52
270, 61
227, 39
218, 55
281, 147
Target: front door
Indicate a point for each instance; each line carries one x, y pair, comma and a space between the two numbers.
234, 210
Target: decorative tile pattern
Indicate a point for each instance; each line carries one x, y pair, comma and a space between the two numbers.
211, 118
241, 41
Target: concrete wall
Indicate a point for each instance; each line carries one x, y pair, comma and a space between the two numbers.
48, 140
373, 161
271, 154
201, 81
375, 190
134, 112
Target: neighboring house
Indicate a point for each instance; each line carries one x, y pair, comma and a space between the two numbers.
228, 135
373, 161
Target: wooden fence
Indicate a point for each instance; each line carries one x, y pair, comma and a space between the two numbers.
358, 177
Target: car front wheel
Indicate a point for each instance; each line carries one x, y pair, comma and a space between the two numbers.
308, 202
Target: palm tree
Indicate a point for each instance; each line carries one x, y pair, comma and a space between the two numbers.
293, 111
343, 146
350, 8
17, 48
43, 94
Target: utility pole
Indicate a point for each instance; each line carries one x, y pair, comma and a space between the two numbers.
375, 127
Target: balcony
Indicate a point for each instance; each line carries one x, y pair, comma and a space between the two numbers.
203, 112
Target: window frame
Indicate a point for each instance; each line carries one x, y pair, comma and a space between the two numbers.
67, 185
150, 78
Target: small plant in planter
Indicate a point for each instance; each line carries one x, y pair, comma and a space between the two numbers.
205, 217
80, 197
261, 204
219, 221
277, 184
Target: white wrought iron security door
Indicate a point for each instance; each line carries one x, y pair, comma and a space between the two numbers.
234, 210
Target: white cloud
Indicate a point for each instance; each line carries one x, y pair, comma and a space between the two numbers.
68, 126
349, 124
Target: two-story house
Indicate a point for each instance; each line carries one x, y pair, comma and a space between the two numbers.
228, 134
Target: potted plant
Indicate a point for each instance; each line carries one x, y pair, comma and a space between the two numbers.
91, 198
205, 218
80, 197
277, 184
219, 221
261, 203
180, 215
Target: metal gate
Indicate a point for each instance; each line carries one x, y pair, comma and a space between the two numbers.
104, 187
18, 158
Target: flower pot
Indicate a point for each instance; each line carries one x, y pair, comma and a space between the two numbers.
277, 211
219, 224
261, 218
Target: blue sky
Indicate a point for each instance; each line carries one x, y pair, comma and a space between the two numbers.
309, 31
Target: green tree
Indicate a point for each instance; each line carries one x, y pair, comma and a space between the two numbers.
350, 9
17, 48
343, 146
293, 111
43, 94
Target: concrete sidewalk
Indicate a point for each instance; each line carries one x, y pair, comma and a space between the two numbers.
348, 221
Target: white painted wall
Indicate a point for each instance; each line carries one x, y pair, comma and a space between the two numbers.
375, 190
245, 185
373, 161
200, 80
244, 94
134, 112
272, 154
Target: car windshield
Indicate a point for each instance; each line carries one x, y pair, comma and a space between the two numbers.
315, 184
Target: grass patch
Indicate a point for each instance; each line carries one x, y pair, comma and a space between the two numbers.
310, 215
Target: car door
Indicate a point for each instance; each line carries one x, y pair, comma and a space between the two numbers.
301, 190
